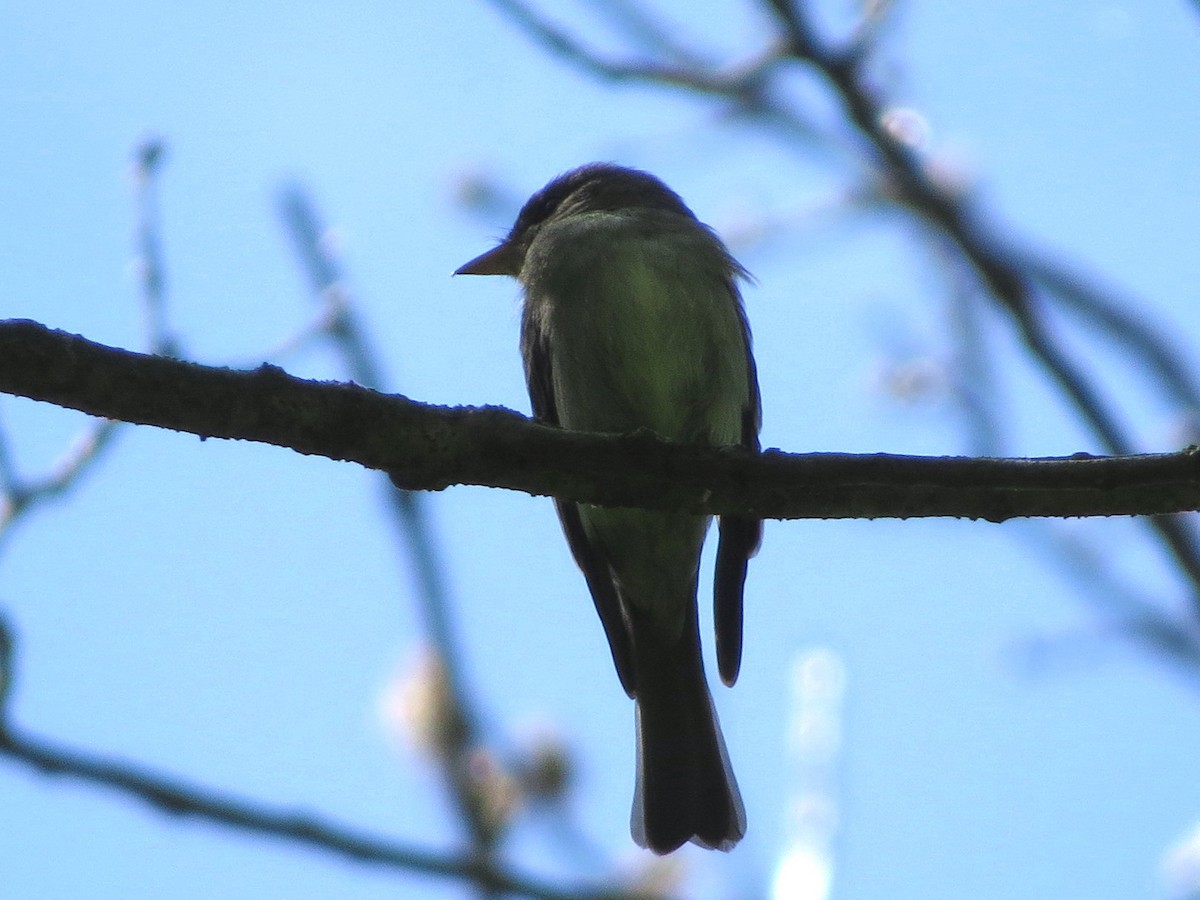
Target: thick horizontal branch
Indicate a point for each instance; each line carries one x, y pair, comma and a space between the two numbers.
432, 447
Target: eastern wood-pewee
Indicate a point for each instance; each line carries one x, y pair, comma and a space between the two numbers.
632, 319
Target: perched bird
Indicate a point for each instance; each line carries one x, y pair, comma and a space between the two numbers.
632, 319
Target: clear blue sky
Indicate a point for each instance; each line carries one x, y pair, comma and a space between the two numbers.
233, 613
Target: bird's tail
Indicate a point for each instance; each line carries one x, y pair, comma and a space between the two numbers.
685, 785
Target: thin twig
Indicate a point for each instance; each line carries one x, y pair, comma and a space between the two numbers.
997, 267
1152, 347
151, 268
1175, 639
180, 798
408, 514
907, 181
7, 651
20, 495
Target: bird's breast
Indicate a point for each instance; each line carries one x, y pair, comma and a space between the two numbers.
644, 332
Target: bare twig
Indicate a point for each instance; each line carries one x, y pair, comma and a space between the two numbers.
905, 179
408, 509
180, 798
149, 258
973, 370
998, 268
21, 495
639, 23
7, 643
1151, 347
1171, 637
64, 474
408, 514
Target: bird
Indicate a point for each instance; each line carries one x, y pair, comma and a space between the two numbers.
632, 318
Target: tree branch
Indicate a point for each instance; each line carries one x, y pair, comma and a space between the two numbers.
431, 447
907, 181
462, 734
179, 798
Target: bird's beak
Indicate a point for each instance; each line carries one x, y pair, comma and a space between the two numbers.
500, 260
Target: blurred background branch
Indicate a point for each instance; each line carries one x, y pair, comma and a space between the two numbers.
21, 495
486, 794
179, 798
1025, 284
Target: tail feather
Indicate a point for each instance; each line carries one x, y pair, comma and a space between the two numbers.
686, 790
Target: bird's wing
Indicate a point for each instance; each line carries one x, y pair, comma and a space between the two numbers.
739, 540
539, 378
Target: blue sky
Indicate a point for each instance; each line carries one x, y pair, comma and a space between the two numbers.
233, 614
